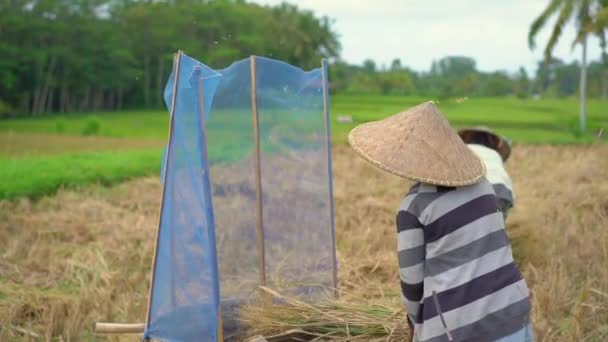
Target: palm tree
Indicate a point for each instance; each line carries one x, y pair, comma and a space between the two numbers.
600, 26
581, 10
601, 17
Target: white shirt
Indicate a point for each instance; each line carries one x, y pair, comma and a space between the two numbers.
495, 171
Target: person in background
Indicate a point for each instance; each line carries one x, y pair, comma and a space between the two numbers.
493, 150
458, 279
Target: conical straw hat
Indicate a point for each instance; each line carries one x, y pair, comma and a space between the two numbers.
418, 144
501, 144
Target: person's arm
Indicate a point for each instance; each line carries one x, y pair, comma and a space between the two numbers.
504, 206
411, 249
504, 196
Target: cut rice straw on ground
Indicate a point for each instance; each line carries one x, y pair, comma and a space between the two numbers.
78, 257
329, 320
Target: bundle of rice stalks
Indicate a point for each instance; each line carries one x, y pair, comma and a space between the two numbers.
328, 320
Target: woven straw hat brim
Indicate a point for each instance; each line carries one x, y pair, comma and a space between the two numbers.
419, 145
503, 147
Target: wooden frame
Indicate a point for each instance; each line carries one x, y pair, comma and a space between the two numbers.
120, 328
139, 328
258, 173
177, 69
329, 170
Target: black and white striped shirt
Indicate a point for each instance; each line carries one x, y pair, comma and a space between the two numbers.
458, 278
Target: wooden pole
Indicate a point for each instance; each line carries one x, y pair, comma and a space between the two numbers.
119, 328
329, 169
211, 236
583, 88
258, 174
176, 68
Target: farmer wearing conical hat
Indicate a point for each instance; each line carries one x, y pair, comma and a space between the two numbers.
458, 278
493, 150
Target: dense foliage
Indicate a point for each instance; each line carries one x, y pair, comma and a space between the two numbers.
91, 55
457, 76
78, 55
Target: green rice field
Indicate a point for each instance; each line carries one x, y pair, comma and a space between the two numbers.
39, 155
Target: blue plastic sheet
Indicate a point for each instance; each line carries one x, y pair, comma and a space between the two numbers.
209, 255
185, 293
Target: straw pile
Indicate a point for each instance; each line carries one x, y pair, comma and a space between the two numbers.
327, 320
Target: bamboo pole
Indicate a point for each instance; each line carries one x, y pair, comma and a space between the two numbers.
177, 69
258, 173
119, 328
211, 236
583, 88
329, 169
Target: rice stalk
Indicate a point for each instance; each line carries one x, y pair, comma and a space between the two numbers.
329, 319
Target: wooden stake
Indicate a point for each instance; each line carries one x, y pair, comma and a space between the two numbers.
329, 168
119, 328
258, 174
201, 96
176, 68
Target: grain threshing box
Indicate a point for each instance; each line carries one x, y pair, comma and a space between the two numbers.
247, 195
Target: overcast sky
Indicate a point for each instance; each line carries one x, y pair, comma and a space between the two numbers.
494, 32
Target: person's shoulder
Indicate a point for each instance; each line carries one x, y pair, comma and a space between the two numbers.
488, 155
420, 196
480, 188
414, 189
426, 189
409, 197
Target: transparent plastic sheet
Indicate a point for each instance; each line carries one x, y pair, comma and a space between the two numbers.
185, 293
298, 227
295, 182
231, 153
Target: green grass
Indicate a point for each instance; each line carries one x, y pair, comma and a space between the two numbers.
19, 145
37, 176
40, 155
531, 121
128, 124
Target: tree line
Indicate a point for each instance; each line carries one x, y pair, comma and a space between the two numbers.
457, 76
82, 55
90, 55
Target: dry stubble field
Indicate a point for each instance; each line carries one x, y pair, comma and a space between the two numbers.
78, 257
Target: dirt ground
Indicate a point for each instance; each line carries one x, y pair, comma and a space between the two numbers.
84, 255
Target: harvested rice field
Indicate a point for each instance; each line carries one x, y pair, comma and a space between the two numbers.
78, 257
